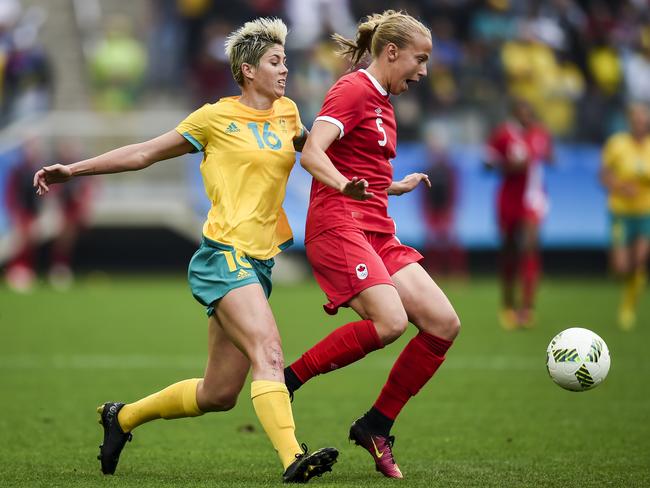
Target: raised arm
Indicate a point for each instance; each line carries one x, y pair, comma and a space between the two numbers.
318, 164
127, 158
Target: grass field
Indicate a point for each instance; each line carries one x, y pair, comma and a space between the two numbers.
490, 417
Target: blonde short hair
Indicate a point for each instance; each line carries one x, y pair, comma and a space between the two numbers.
248, 43
374, 33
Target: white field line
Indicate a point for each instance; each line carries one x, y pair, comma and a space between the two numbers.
142, 361
194, 362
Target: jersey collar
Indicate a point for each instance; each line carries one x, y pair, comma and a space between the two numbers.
374, 81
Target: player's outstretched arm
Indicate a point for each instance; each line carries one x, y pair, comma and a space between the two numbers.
408, 183
318, 164
127, 158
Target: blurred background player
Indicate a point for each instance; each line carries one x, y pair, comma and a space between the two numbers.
24, 207
443, 252
626, 176
517, 149
72, 204
74, 201
248, 144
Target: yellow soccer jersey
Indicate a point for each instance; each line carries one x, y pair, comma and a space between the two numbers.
248, 155
629, 160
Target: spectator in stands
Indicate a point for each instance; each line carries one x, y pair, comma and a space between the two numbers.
28, 78
210, 75
636, 67
118, 67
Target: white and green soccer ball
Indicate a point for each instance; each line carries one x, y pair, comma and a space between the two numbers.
577, 359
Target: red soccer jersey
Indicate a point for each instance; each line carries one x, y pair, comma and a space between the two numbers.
511, 145
360, 107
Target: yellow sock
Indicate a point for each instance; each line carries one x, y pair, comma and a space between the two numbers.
273, 409
175, 401
639, 281
634, 284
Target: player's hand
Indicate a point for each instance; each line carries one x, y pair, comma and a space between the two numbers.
357, 189
628, 189
48, 175
409, 183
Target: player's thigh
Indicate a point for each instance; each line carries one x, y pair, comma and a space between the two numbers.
225, 372
427, 306
641, 245
382, 305
530, 234
640, 251
246, 317
345, 264
216, 269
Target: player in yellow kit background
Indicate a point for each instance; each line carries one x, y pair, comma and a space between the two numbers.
249, 145
626, 176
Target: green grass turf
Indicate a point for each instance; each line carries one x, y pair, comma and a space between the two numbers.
490, 417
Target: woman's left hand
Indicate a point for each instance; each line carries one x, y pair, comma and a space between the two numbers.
408, 183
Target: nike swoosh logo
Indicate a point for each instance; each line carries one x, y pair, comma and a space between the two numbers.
377, 453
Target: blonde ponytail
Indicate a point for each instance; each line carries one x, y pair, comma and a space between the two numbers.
378, 30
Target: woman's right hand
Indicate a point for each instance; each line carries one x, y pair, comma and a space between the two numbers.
357, 189
48, 175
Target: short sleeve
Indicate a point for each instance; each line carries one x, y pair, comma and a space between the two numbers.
195, 128
343, 106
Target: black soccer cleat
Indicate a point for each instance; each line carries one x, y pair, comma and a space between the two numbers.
114, 437
306, 465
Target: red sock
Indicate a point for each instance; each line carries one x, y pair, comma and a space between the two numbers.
343, 346
508, 264
417, 363
530, 276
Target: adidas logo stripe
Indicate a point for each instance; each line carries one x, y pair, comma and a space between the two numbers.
243, 274
232, 128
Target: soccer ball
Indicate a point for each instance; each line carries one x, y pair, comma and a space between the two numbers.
577, 359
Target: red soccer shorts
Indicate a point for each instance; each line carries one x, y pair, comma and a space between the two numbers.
511, 220
347, 260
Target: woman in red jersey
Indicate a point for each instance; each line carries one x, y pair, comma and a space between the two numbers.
350, 238
518, 148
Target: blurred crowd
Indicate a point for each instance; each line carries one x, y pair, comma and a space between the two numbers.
577, 62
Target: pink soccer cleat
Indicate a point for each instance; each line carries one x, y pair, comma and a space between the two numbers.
379, 447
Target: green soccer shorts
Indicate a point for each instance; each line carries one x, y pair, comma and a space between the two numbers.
217, 268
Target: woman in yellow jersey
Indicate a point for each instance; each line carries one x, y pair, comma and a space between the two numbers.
248, 143
626, 176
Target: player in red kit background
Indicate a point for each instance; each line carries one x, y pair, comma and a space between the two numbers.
350, 238
517, 149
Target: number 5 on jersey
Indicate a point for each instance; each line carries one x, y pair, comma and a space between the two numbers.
382, 142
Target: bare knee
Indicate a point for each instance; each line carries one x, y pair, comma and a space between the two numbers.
391, 325
449, 326
445, 325
217, 401
267, 357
